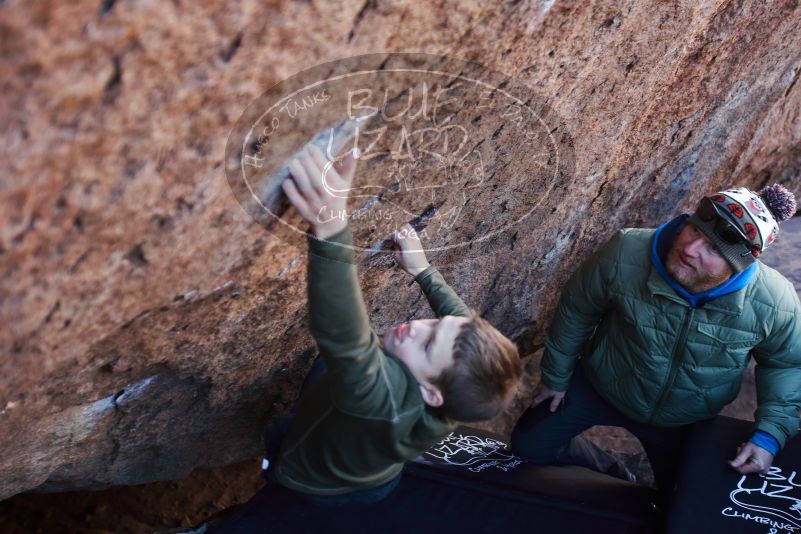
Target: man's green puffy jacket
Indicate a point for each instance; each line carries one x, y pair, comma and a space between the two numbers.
660, 361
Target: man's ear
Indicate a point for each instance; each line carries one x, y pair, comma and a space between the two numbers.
431, 395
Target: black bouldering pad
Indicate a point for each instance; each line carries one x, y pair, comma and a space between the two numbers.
469, 482
713, 497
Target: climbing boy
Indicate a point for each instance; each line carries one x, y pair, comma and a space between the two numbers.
383, 400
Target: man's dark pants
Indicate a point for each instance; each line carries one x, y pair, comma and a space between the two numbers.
543, 437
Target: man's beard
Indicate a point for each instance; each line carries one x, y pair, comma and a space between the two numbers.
693, 280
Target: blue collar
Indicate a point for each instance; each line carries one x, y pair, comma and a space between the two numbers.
660, 244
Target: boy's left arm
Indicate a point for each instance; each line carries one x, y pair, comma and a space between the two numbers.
337, 315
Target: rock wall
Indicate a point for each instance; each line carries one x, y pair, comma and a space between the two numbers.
149, 326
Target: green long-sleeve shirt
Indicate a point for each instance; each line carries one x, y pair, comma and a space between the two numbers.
357, 426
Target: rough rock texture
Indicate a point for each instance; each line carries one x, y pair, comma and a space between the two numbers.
149, 326
149, 508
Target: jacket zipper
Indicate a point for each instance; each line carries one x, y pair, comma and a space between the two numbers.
678, 352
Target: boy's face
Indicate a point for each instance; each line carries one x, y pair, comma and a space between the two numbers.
426, 347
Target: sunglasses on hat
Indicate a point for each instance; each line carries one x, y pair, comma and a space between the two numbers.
708, 212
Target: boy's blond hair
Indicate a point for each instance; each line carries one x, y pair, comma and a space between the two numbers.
484, 374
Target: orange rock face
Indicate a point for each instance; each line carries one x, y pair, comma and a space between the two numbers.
151, 326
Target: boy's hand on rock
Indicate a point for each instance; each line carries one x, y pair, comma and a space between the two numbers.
319, 189
410, 255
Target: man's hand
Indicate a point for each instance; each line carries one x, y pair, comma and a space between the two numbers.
544, 392
751, 458
410, 255
319, 189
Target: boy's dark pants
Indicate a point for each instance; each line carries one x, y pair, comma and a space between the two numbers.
552, 438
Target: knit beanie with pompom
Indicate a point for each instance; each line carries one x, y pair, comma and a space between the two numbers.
755, 216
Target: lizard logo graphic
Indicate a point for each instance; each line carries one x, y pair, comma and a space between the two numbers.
460, 449
773, 495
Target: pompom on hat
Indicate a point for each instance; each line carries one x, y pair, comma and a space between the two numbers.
741, 223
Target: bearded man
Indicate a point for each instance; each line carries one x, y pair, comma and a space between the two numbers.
654, 332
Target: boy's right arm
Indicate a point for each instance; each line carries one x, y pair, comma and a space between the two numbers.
443, 299
412, 259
